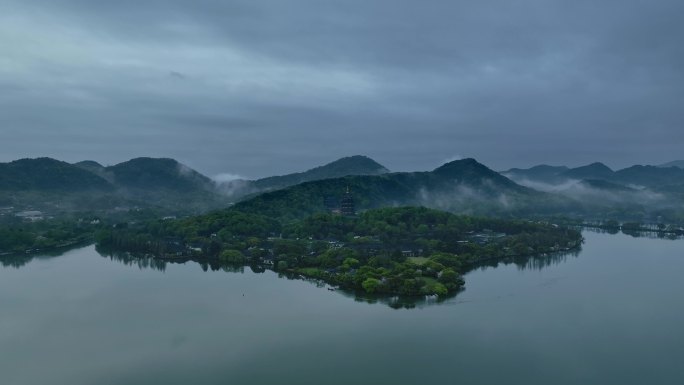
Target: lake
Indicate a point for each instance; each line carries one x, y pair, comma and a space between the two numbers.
611, 314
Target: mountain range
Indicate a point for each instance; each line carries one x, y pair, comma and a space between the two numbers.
56, 186
462, 186
638, 176
675, 163
46, 174
161, 183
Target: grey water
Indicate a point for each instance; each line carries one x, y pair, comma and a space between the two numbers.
612, 314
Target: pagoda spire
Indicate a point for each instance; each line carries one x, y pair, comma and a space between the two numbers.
347, 206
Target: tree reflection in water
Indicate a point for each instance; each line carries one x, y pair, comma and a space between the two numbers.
20, 259
537, 262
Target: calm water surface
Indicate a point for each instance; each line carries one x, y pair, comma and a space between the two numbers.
614, 314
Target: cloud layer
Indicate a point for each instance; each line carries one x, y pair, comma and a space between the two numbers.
270, 87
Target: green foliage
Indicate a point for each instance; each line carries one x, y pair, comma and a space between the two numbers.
232, 256
370, 285
350, 263
23, 237
405, 250
450, 279
432, 287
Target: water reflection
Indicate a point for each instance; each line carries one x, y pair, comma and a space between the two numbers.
530, 262
128, 259
393, 301
147, 261
537, 262
608, 317
635, 233
21, 259
399, 302
653, 235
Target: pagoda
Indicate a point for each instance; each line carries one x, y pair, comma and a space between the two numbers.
347, 207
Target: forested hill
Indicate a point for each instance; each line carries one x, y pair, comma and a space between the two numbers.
352, 165
596, 170
463, 186
158, 173
92, 166
164, 184
46, 174
55, 187
140, 173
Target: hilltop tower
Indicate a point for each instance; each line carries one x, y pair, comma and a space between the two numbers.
347, 204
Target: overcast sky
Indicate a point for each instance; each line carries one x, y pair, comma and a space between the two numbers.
268, 87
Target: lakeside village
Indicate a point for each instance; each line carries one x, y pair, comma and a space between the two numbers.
402, 251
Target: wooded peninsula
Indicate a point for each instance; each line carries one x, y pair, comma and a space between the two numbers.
408, 251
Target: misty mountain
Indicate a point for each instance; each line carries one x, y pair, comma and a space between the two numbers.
57, 187
470, 172
595, 170
598, 195
633, 193
462, 186
150, 174
547, 178
163, 184
558, 174
90, 165
675, 163
537, 173
606, 186
650, 176
95, 168
153, 174
46, 174
351, 165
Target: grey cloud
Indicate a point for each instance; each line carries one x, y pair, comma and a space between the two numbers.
266, 87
